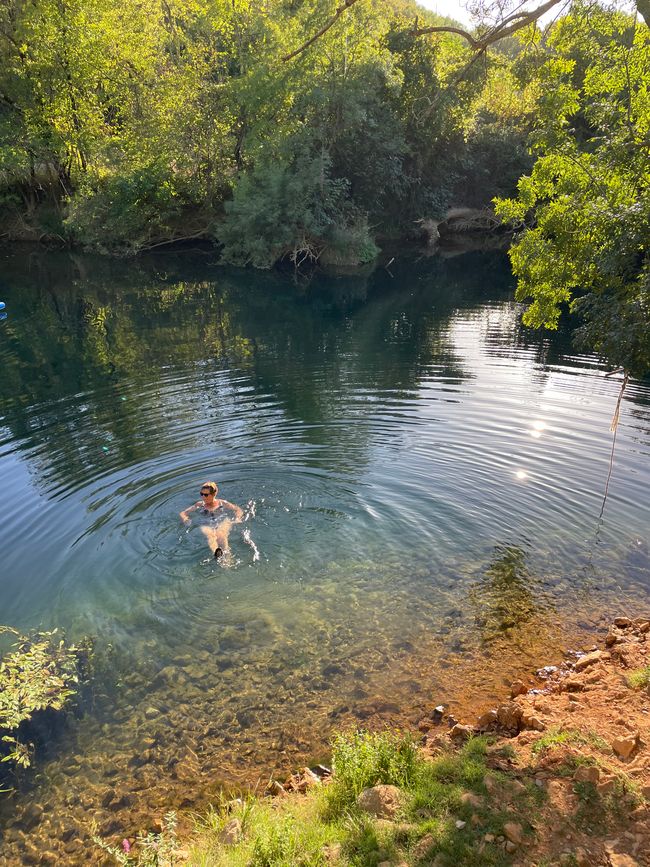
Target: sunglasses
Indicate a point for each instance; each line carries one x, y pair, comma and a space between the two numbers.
205, 493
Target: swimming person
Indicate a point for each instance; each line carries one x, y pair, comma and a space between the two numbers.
218, 526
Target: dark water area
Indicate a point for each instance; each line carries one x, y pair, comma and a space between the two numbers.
422, 480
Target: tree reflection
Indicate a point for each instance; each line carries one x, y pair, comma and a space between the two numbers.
104, 356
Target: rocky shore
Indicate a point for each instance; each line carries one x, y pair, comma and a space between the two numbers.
566, 776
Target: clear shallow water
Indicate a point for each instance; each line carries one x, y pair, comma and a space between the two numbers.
422, 479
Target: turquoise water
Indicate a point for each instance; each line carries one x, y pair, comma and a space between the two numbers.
422, 479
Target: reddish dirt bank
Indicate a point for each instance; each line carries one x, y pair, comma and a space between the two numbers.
581, 732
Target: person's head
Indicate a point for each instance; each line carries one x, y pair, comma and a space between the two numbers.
208, 491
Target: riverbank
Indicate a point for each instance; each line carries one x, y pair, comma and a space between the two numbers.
558, 773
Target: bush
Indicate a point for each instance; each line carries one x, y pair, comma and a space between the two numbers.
363, 759
127, 212
40, 672
294, 210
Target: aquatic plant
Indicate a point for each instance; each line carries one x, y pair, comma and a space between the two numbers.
39, 672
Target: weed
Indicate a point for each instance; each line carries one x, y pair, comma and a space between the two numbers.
558, 736
152, 850
640, 678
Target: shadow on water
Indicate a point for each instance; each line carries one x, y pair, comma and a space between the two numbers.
421, 477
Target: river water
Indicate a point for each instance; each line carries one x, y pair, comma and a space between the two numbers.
422, 480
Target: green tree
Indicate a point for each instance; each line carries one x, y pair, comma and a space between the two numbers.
585, 207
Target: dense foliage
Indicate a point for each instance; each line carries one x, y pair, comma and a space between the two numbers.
587, 200
127, 125
124, 125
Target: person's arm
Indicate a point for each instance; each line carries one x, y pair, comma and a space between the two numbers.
239, 513
185, 516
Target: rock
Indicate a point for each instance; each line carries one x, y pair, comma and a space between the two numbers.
584, 858
509, 716
617, 859
514, 832
382, 801
460, 824
517, 688
275, 789
611, 638
587, 660
31, 816
486, 719
151, 712
645, 791
529, 721
231, 833
571, 684
437, 713
587, 774
461, 733
422, 847
624, 747
622, 622
510, 846
489, 838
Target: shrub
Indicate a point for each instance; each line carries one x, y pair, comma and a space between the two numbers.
294, 209
39, 672
363, 759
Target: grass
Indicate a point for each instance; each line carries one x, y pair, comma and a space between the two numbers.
640, 678
572, 737
303, 831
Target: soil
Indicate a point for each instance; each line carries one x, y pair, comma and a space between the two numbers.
581, 733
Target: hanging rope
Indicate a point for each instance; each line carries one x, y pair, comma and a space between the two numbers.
614, 428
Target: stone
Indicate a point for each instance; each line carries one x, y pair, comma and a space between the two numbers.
517, 688
584, 858
31, 816
275, 789
509, 716
510, 846
587, 660
587, 774
622, 622
611, 638
624, 747
489, 838
571, 684
645, 791
461, 733
151, 712
460, 824
529, 721
381, 801
486, 719
231, 832
514, 832
437, 713
619, 859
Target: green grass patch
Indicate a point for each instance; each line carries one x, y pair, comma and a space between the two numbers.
326, 826
557, 737
640, 678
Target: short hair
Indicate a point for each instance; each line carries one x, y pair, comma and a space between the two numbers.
211, 485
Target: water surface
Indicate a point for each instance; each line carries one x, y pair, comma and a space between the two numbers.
422, 478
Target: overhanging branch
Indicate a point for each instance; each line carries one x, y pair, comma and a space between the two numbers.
507, 27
